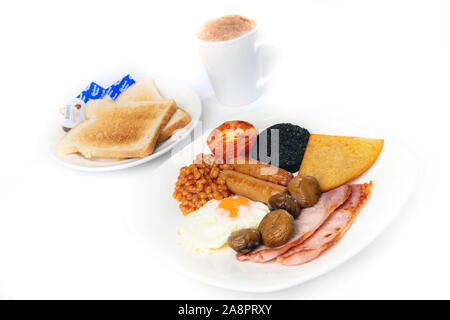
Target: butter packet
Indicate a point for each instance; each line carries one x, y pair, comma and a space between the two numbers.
92, 92
120, 86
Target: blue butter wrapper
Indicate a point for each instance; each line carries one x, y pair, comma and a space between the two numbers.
120, 86
92, 92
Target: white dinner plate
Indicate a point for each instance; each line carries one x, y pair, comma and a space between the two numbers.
157, 222
185, 98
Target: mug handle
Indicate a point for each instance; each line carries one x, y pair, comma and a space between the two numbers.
268, 63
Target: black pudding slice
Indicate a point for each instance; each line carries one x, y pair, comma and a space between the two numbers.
291, 145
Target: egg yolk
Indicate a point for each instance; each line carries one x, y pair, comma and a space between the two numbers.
232, 204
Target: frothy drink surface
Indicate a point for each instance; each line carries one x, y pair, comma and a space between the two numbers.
225, 28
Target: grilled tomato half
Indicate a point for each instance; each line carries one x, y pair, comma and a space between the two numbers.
232, 139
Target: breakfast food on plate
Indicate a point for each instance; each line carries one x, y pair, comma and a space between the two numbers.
209, 228
286, 202
179, 120
331, 231
145, 90
122, 131
128, 127
335, 160
244, 240
199, 183
289, 140
250, 187
307, 212
232, 139
305, 189
142, 90
309, 220
262, 171
276, 228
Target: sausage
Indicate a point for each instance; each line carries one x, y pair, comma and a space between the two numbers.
263, 171
250, 187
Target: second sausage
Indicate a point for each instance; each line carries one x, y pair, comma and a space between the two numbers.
250, 187
263, 171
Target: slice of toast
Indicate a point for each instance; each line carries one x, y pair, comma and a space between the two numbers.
97, 107
142, 90
179, 120
145, 90
335, 160
114, 130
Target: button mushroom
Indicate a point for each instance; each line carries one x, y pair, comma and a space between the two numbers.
305, 189
285, 201
244, 240
276, 228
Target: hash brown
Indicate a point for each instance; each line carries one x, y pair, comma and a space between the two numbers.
335, 160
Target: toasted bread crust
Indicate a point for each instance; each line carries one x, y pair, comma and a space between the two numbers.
143, 90
183, 120
170, 112
126, 131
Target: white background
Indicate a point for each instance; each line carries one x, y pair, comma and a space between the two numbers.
64, 234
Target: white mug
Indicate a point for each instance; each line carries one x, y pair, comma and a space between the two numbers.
238, 68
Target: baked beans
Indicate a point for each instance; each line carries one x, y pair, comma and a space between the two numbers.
200, 182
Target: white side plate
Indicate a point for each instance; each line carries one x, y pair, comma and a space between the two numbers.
158, 219
185, 98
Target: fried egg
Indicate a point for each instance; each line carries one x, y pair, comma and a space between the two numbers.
208, 228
